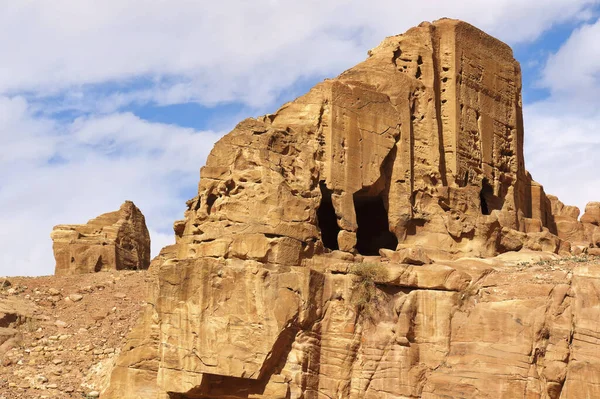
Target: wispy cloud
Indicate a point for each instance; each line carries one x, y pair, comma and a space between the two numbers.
563, 131
212, 52
68, 173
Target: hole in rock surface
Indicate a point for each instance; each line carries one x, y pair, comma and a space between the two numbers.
99, 265
486, 197
327, 219
210, 200
373, 226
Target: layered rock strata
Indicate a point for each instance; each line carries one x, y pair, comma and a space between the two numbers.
415, 154
112, 241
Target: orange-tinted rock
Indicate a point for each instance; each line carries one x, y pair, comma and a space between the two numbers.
112, 241
592, 214
419, 145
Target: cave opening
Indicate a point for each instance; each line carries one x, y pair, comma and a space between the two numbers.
373, 225
99, 265
486, 196
327, 219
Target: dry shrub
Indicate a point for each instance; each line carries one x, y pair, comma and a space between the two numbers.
365, 295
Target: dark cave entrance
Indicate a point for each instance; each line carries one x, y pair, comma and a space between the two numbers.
373, 226
327, 219
489, 201
99, 265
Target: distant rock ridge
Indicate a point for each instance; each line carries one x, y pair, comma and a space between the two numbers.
112, 241
413, 156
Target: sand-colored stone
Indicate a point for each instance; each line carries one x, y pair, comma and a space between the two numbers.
415, 154
419, 145
580, 232
112, 241
592, 214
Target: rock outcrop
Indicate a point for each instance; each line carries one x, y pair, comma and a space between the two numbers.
419, 145
415, 154
112, 241
582, 233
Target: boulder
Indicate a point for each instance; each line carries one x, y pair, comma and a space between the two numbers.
112, 241
410, 256
592, 214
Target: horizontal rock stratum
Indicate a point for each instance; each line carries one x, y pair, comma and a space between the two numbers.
275, 287
112, 241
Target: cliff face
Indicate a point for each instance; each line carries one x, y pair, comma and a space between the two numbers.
420, 145
467, 329
112, 241
418, 149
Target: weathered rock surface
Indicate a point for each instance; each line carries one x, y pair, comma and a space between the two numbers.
112, 241
470, 328
415, 154
584, 232
419, 145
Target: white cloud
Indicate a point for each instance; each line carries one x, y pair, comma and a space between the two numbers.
562, 132
575, 68
99, 162
226, 50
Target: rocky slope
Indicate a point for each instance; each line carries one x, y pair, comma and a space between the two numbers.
60, 335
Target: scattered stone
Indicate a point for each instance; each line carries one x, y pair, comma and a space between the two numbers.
76, 297
4, 282
61, 324
594, 251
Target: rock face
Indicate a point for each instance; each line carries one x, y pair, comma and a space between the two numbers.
116, 240
415, 154
583, 233
420, 145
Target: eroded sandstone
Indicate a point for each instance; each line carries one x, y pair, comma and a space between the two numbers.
112, 241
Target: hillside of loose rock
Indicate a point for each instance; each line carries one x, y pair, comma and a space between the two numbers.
59, 336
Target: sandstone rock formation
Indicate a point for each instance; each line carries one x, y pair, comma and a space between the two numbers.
582, 234
415, 154
420, 145
116, 240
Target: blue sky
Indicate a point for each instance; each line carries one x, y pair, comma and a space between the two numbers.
117, 101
